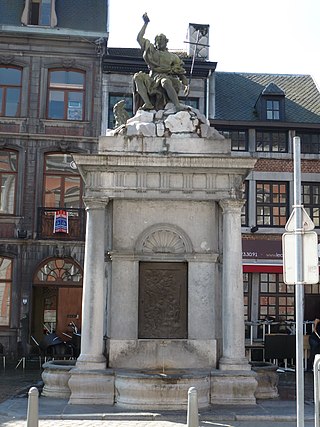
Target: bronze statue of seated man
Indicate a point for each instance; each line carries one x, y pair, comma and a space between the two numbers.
166, 75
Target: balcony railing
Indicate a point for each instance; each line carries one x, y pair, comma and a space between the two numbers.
76, 224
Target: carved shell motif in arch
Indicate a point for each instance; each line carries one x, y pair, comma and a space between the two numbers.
163, 241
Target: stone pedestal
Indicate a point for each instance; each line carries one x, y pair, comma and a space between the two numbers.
91, 387
167, 298
233, 387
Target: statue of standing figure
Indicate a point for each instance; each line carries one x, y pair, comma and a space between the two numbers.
166, 75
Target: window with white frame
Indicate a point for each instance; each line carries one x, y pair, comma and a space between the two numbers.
39, 12
10, 91
66, 92
5, 290
8, 181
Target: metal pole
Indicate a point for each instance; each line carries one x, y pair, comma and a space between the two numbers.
299, 303
316, 389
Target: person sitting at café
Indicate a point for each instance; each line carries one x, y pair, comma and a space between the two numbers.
314, 342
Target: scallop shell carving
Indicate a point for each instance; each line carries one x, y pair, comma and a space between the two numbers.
163, 241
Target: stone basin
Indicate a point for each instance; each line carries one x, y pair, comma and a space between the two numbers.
55, 375
156, 389
267, 378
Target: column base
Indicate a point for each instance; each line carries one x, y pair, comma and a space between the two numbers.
233, 388
92, 387
89, 361
234, 364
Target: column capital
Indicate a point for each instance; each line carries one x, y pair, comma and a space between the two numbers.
231, 205
93, 203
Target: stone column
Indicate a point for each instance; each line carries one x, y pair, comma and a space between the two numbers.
233, 348
93, 299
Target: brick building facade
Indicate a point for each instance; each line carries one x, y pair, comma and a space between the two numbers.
50, 107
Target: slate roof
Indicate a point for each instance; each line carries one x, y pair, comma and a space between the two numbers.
237, 93
11, 11
86, 15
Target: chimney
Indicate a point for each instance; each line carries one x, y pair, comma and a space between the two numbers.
198, 41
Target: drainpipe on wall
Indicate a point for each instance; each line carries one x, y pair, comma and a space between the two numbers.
207, 94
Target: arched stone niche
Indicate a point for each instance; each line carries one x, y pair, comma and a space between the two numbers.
163, 239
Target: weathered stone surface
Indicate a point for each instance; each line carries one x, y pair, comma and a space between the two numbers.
210, 132
160, 129
141, 129
188, 123
267, 378
142, 116
233, 388
180, 122
95, 387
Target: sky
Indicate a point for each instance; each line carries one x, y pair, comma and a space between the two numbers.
253, 36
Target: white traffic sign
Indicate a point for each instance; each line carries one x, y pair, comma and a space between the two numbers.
310, 258
307, 223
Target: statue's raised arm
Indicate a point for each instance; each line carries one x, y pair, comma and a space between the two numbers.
166, 75
141, 33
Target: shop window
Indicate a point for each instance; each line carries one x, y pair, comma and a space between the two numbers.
62, 182
239, 139
310, 142
244, 209
66, 90
5, 290
271, 141
39, 12
276, 299
311, 201
10, 91
271, 203
8, 181
246, 295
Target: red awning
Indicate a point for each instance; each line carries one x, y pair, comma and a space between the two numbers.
262, 268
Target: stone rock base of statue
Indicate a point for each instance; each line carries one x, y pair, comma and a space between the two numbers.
95, 387
233, 387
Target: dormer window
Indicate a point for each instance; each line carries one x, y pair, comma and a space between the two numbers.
270, 104
273, 109
39, 12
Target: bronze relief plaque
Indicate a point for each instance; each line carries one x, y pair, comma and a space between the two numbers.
163, 300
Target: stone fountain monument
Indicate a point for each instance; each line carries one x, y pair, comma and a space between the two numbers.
163, 291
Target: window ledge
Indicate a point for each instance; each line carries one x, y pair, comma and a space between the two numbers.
9, 219
67, 123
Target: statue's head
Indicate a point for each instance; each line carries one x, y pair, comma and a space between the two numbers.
161, 42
